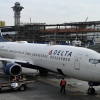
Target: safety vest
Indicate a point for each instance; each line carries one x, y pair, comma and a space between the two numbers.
63, 82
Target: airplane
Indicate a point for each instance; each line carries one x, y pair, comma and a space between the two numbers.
76, 62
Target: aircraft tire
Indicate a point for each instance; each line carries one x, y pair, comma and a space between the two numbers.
22, 87
91, 91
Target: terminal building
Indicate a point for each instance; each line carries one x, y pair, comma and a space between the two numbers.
42, 32
24, 32
81, 33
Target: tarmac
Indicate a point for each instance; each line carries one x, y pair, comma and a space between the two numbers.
48, 88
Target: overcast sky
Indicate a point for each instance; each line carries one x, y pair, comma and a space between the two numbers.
51, 11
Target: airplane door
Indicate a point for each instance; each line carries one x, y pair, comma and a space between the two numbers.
77, 61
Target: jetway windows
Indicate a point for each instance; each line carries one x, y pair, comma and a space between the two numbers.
94, 61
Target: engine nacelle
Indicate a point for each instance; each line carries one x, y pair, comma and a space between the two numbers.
13, 69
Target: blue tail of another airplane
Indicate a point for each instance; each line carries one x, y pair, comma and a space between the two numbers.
93, 43
2, 39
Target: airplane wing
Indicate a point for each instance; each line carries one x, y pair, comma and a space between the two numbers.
14, 60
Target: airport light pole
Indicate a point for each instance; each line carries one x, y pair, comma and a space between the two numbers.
30, 19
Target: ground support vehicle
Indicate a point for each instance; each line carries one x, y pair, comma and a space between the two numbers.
16, 85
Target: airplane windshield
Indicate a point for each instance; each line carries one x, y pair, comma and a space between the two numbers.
94, 61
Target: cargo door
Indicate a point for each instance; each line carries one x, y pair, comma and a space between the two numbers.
77, 61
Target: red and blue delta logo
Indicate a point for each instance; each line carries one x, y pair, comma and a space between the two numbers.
60, 53
50, 52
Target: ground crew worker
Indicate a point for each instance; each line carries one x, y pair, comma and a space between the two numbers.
16, 78
20, 77
63, 84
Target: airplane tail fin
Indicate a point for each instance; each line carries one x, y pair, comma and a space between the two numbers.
2, 39
93, 42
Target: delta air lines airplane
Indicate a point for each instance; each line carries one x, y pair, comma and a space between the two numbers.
77, 62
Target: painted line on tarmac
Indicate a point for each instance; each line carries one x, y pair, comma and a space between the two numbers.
78, 94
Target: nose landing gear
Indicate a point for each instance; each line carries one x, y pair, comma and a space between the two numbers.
91, 91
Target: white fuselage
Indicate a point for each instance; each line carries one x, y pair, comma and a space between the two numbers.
73, 61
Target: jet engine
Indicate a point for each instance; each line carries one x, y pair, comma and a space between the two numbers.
12, 69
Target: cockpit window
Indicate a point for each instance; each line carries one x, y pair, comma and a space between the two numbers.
91, 61
94, 61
